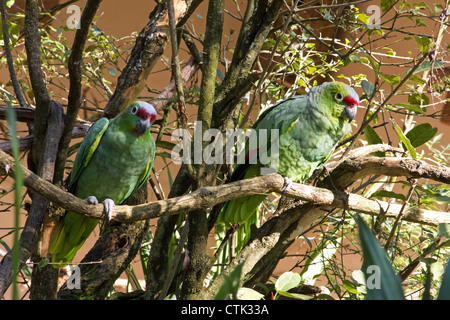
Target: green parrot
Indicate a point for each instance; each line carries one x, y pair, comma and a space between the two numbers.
114, 160
307, 130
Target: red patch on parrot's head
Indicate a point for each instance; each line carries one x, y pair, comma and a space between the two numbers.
145, 115
350, 110
351, 102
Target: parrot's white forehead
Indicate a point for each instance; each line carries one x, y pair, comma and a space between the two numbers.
353, 93
147, 106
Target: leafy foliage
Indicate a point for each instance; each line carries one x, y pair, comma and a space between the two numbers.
401, 92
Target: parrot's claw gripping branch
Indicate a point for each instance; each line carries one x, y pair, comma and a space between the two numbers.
108, 206
287, 185
92, 200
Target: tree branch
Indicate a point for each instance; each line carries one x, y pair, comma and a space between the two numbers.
9, 58
207, 197
176, 69
354, 169
33, 46
203, 174
32, 228
240, 77
187, 73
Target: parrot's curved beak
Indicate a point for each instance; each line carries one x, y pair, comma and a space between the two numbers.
147, 115
350, 110
142, 126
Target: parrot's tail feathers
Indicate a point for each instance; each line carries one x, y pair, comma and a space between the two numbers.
65, 256
57, 247
76, 231
62, 249
241, 213
58, 242
239, 210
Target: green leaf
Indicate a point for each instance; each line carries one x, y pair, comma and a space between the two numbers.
354, 58
249, 294
418, 98
368, 88
230, 287
296, 296
421, 134
411, 107
420, 5
391, 79
423, 42
363, 17
382, 282
428, 65
350, 287
287, 281
438, 195
415, 78
373, 138
14, 33
388, 194
444, 292
386, 4
444, 230
406, 142
43, 263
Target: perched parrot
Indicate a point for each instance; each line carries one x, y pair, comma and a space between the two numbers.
114, 160
308, 127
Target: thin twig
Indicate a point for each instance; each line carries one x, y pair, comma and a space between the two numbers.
9, 58
400, 215
176, 70
176, 258
268, 65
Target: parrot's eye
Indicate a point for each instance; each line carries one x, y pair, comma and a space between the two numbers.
339, 96
134, 110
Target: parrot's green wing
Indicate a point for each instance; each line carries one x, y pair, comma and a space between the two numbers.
87, 149
282, 116
75, 226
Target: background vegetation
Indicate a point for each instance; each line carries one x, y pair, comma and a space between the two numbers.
392, 170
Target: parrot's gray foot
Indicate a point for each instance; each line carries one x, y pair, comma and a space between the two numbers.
108, 206
287, 185
92, 200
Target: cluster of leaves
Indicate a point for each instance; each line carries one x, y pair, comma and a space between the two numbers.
101, 59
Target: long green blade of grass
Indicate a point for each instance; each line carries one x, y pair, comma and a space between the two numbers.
444, 291
385, 284
11, 120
